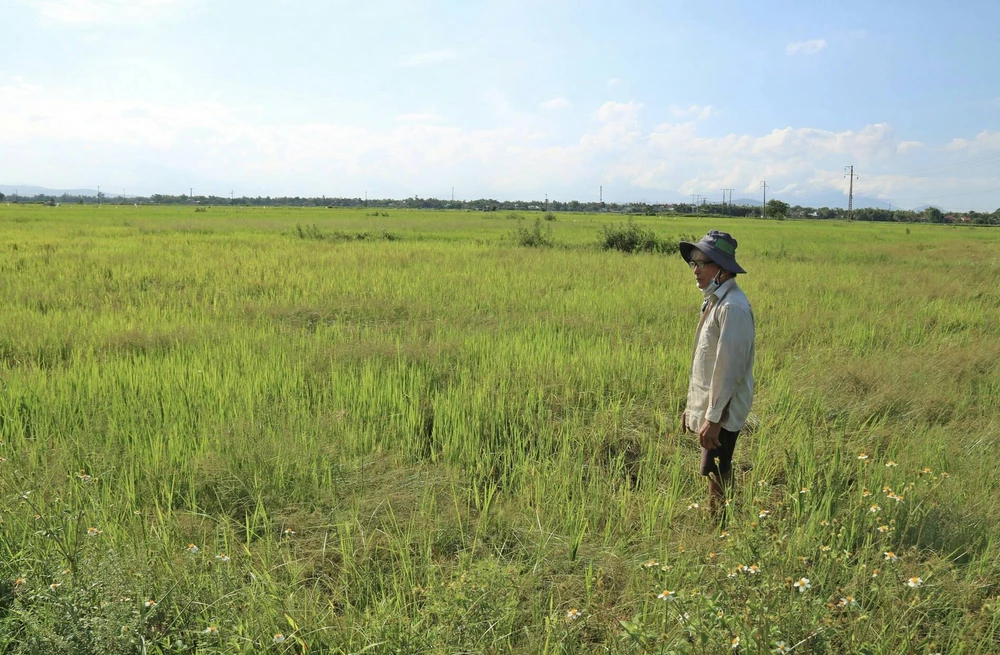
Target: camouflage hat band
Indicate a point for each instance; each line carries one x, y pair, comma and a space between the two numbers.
725, 247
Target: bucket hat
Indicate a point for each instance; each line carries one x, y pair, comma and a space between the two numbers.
718, 246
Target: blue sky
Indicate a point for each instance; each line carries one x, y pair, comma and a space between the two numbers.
653, 101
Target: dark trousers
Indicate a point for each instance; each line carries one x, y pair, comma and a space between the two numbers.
724, 455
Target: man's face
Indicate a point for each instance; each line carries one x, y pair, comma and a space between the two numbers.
704, 269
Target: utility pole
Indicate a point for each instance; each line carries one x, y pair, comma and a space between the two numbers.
98, 195
763, 208
191, 194
453, 194
230, 196
850, 192
602, 194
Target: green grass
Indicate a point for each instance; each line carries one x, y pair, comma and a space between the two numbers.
439, 441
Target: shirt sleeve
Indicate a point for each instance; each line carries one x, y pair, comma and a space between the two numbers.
732, 363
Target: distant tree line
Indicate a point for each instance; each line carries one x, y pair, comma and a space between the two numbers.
774, 209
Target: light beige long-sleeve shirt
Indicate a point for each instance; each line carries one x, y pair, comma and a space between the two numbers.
721, 386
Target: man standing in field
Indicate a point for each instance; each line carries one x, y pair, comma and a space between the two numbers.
720, 391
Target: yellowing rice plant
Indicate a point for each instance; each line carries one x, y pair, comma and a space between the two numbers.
290, 430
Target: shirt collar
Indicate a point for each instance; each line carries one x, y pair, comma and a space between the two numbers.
724, 288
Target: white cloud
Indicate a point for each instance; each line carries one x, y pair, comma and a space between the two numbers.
61, 138
985, 140
810, 47
612, 111
799, 162
426, 58
613, 82
556, 103
88, 12
421, 118
619, 130
19, 87
694, 112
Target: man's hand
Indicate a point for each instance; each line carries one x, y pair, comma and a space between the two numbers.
709, 435
684, 424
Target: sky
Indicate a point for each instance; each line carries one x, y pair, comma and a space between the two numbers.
506, 99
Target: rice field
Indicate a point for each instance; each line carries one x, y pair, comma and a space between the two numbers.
254, 430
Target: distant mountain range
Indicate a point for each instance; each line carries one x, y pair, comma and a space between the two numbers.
28, 191
828, 199
836, 199
825, 200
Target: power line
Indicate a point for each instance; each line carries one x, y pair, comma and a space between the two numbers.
951, 195
958, 165
928, 173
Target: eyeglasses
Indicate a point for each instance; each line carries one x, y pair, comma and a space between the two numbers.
699, 264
